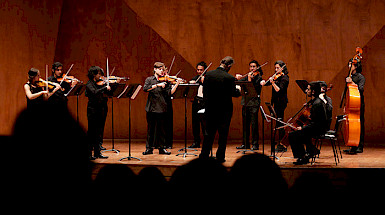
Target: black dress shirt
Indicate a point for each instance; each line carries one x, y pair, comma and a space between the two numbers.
318, 118
96, 94
359, 79
159, 99
59, 96
218, 90
280, 97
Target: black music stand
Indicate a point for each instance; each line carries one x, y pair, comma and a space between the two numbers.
248, 89
116, 90
76, 90
272, 133
264, 118
130, 92
185, 91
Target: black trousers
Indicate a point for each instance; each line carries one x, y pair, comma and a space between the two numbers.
96, 121
250, 118
298, 140
216, 122
198, 120
362, 121
156, 130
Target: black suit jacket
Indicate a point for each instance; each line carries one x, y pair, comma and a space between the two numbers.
218, 90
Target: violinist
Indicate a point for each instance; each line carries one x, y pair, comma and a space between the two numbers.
157, 108
279, 100
197, 119
59, 98
35, 90
317, 126
359, 79
250, 107
96, 110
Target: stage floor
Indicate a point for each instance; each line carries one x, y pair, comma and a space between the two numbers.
373, 156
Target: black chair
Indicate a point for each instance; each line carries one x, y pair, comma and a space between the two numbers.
332, 136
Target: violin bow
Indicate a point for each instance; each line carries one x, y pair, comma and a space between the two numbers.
46, 76
108, 75
172, 62
203, 72
66, 74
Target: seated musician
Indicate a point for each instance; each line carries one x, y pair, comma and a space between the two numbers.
328, 102
317, 126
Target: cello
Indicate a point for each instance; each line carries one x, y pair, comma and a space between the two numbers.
351, 95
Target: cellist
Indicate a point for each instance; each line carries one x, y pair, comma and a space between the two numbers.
358, 79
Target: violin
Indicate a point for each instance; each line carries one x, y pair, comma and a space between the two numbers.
68, 79
112, 80
43, 83
170, 79
277, 74
256, 72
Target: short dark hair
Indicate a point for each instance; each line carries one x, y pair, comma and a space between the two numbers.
315, 86
256, 63
93, 71
56, 65
228, 61
32, 73
281, 64
202, 63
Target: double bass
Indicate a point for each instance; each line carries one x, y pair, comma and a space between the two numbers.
351, 96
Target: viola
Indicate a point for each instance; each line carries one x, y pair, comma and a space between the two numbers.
44, 83
112, 80
68, 79
255, 73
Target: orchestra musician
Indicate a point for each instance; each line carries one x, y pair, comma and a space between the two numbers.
218, 89
279, 100
359, 79
328, 102
59, 98
157, 107
35, 89
96, 109
250, 107
198, 120
317, 126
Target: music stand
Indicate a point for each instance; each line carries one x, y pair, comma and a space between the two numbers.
272, 134
130, 92
186, 91
116, 90
248, 89
76, 90
264, 118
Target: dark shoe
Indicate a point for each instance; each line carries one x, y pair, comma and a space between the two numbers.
164, 152
360, 150
351, 151
195, 145
148, 152
302, 161
243, 147
101, 156
255, 147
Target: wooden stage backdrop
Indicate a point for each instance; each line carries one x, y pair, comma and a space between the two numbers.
315, 38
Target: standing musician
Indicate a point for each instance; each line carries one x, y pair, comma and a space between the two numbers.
59, 98
97, 109
317, 126
279, 100
157, 107
34, 89
197, 119
218, 90
250, 107
359, 79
